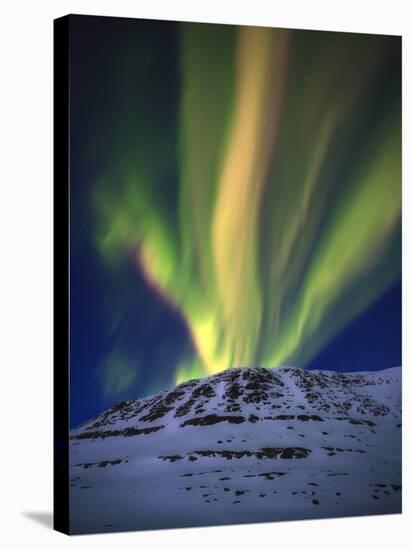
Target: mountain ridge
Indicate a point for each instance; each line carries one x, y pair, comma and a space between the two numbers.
256, 445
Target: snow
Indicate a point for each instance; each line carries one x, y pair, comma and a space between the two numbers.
246, 445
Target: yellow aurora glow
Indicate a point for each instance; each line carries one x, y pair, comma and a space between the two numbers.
287, 218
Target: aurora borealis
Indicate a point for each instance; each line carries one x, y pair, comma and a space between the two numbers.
242, 182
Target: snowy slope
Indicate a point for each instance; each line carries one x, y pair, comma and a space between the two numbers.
242, 446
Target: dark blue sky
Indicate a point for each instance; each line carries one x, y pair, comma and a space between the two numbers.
372, 341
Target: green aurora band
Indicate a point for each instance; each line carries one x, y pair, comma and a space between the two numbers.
286, 220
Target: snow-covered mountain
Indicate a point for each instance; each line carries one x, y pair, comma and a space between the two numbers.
245, 445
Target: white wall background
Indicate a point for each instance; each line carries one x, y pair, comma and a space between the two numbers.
26, 234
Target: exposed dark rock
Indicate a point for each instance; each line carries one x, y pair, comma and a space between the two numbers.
127, 432
211, 419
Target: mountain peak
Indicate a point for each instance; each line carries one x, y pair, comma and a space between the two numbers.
258, 392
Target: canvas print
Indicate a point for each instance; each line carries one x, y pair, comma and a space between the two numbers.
234, 264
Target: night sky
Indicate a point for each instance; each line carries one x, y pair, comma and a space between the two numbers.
235, 201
